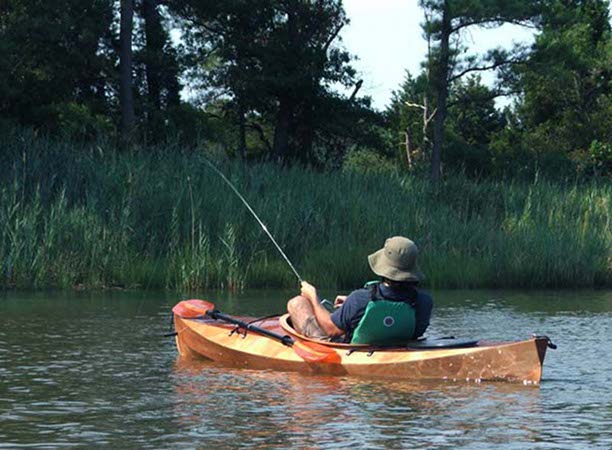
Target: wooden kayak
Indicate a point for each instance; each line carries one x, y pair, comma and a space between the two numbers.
249, 346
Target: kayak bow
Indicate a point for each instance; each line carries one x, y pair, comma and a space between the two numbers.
311, 352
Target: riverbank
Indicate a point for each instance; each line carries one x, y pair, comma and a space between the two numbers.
92, 216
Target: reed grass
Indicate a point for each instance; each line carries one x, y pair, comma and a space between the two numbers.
90, 215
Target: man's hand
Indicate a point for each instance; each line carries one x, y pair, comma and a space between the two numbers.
340, 299
309, 291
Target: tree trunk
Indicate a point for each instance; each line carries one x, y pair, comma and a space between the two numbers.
440, 83
154, 51
408, 147
242, 131
284, 131
281, 131
305, 132
126, 96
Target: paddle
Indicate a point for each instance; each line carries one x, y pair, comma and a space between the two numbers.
308, 351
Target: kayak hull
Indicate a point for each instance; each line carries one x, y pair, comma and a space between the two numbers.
513, 361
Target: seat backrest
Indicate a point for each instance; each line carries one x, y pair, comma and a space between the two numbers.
385, 322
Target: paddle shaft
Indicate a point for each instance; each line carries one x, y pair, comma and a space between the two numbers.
247, 326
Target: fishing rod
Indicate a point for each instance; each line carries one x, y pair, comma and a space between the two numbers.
263, 226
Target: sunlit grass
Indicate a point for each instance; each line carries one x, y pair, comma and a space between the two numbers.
92, 216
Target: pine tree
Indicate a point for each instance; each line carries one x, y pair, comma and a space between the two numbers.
446, 21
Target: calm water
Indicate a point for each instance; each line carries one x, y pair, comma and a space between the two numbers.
93, 370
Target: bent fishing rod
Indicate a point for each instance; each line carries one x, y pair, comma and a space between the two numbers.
263, 226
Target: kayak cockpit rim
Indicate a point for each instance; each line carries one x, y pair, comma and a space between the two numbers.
285, 325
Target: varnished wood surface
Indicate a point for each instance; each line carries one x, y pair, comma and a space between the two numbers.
513, 361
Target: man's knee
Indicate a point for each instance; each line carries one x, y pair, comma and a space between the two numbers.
297, 304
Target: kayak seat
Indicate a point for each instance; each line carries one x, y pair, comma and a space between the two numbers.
385, 322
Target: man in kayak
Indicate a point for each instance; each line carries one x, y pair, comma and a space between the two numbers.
388, 311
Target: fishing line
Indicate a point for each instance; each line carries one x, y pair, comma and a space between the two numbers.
263, 226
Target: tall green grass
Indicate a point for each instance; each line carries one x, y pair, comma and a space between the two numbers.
73, 215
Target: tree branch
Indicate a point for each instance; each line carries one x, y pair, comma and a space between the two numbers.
414, 105
332, 38
217, 31
357, 87
492, 20
424, 108
494, 65
483, 99
433, 114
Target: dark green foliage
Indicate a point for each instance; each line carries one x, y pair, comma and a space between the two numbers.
558, 124
59, 66
445, 25
473, 121
261, 78
405, 115
472, 112
54, 60
273, 63
568, 80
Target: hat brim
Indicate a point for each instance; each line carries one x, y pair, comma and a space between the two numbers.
381, 266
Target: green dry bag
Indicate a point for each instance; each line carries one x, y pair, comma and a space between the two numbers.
385, 322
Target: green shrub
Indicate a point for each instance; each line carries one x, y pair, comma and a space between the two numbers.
367, 161
77, 121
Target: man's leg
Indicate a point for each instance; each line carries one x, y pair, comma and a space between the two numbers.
303, 318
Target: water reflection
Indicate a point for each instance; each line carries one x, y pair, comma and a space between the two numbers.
267, 409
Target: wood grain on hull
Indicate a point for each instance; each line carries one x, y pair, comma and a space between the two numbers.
515, 361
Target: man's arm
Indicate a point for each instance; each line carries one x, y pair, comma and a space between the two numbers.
424, 305
321, 314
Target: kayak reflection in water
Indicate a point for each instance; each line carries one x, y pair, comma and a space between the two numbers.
390, 311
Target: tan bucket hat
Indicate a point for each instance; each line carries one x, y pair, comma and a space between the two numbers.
397, 260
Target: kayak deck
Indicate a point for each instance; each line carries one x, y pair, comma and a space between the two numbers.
512, 361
